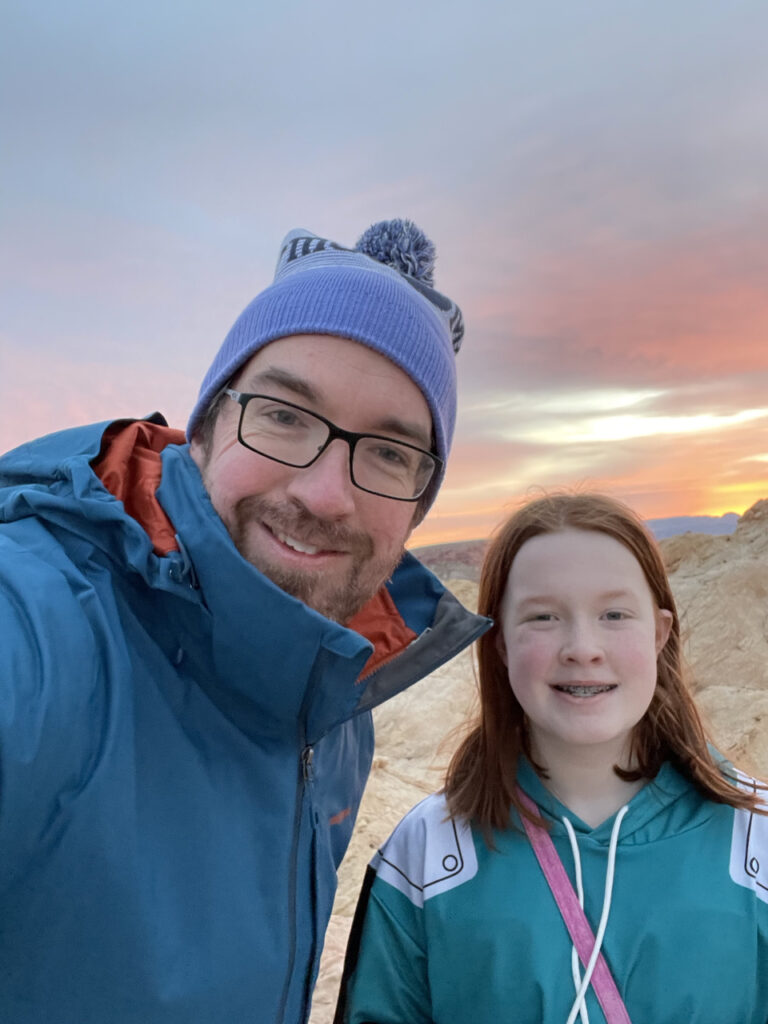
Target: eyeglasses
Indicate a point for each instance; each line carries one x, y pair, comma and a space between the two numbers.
294, 436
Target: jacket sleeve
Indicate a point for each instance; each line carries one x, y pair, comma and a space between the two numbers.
48, 706
385, 972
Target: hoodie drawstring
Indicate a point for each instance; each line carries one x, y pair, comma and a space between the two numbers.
582, 984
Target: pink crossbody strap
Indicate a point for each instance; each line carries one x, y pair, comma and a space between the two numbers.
575, 919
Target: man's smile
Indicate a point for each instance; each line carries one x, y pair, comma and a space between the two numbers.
301, 546
306, 549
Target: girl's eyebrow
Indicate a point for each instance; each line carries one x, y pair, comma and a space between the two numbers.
607, 595
536, 599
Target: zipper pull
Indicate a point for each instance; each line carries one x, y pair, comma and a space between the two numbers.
307, 756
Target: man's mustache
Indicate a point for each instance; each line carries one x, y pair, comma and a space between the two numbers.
295, 520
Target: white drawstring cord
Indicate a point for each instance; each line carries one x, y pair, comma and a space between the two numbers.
575, 968
607, 894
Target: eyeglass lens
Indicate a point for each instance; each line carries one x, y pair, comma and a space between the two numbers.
295, 436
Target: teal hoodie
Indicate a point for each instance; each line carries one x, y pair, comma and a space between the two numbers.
451, 932
183, 748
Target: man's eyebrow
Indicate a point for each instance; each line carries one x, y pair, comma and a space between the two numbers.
300, 387
411, 431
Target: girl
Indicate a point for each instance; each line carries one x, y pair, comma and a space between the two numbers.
590, 857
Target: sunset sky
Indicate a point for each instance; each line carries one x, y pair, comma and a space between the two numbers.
594, 175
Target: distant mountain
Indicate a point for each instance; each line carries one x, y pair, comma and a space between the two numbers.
462, 559
674, 525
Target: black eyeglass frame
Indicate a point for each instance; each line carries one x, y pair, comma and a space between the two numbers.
350, 436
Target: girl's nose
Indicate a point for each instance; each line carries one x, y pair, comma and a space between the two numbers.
582, 645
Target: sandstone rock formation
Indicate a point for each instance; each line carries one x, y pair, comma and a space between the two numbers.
721, 587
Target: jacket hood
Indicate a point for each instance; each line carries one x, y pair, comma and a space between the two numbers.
52, 480
666, 802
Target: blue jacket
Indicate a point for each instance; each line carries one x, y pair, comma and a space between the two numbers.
183, 749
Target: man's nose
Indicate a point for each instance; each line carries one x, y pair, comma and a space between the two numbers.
325, 488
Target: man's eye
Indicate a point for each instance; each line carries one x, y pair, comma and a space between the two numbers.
284, 417
277, 417
393, 456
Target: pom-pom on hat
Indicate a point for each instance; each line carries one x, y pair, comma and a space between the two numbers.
380, 293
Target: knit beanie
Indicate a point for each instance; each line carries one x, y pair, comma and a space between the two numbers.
380, 293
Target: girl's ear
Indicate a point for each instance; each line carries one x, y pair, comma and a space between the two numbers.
501, 647
663, 627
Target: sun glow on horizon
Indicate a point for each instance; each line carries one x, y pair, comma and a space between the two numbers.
625, 428
737, 497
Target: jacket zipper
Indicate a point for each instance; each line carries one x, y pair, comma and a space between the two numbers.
307, 759
305, 777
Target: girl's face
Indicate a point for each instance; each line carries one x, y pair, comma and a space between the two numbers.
580, 634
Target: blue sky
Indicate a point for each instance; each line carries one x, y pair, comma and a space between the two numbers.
593, 175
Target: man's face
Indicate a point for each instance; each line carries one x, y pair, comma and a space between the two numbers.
311, 531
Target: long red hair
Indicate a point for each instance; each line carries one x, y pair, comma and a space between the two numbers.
481, 779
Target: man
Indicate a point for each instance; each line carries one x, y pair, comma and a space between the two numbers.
192, 638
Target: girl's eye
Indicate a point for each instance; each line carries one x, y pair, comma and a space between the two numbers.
615, 616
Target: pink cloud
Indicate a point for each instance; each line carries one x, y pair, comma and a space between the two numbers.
59, 392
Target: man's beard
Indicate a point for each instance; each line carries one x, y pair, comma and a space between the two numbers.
336, 595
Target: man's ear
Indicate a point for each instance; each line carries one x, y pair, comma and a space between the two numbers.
197, 450
422, 507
